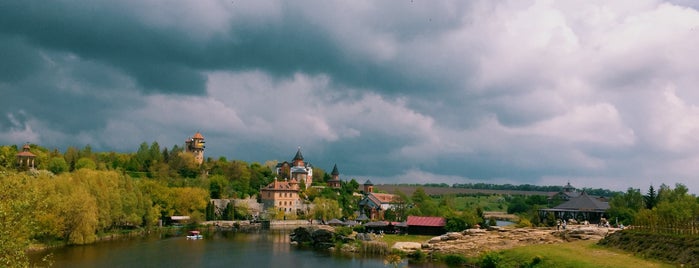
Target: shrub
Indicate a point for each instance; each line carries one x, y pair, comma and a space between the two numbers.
359, 228
455, 260
490, 260
417, 256
343, 231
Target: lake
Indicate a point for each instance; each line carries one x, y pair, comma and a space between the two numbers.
269, 248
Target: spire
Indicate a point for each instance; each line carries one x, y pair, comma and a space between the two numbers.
335, 172
298, 154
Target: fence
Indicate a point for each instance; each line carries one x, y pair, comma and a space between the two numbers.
690, 228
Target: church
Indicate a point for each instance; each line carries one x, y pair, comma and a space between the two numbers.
297, 170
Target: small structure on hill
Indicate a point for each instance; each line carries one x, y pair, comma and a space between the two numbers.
581, 208
426, 225
334, 181
195, 146
25, 158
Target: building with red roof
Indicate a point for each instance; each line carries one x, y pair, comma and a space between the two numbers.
426, 225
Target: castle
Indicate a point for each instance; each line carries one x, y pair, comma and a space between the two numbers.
297, 170
195, 145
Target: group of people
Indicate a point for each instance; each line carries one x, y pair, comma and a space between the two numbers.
561, 223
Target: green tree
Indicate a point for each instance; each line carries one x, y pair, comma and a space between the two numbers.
651, 198
58, 165
625, 206
72, 155
85, 163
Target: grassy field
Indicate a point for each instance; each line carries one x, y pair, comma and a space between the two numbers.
579, 254
391, 239
573, 254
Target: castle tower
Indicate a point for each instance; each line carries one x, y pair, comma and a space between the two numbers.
298, 159
300, 170
195, 145
368, 187
334, 181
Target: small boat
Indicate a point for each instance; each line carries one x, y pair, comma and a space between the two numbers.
194, 235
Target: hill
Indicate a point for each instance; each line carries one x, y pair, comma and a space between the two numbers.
432, 190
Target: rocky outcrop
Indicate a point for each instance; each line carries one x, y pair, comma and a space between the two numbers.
320, 237
407, 246
473, 242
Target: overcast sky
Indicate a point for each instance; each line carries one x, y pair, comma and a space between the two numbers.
598, 93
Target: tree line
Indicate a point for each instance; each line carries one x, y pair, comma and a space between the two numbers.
667, 210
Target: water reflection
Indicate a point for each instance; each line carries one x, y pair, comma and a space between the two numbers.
217, 249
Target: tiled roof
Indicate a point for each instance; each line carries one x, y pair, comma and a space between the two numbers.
584, 202
383, 198
426, 221
335, 172
298, 155
368, 182
282, 185
198, 136
27, 154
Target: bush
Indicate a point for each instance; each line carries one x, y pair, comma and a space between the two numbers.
490, 260
523, 222
417, 256
455, 260
359, 228
343, 231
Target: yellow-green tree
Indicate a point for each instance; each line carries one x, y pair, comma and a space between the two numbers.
325, 209
19, 199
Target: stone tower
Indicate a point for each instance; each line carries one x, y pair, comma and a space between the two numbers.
195, 145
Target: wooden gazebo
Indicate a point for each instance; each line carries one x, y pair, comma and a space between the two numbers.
581, 208
25, 158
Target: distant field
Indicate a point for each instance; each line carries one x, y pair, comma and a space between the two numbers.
408, 190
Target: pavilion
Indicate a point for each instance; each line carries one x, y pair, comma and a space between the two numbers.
581, 208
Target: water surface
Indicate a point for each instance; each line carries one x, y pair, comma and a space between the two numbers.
219, 249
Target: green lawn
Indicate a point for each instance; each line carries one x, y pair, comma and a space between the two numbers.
391, 239
573, 254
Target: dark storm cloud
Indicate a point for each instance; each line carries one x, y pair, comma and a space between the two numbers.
524, 91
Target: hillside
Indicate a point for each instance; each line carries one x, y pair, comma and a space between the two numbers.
408, 190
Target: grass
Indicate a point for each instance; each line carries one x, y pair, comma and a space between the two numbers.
573, 254
486, 202
391, 239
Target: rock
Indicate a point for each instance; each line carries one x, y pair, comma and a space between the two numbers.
474, 232
364, 237
323, 236
494, 228
301, 235
407, 246
435, 239
454, 235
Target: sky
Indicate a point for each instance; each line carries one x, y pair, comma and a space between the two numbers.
601, 94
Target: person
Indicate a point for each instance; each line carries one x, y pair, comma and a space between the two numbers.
564, 224
558, 225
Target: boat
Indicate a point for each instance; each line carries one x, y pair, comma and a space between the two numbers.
194, 235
